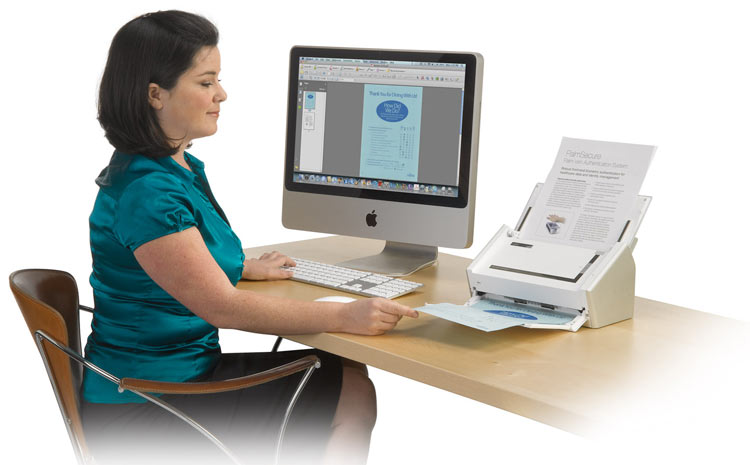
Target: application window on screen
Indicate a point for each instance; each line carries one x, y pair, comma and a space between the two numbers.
372, 124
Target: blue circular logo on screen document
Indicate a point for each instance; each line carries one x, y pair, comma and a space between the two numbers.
392, 111
523, 316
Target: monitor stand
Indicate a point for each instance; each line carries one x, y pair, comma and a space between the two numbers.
396, 259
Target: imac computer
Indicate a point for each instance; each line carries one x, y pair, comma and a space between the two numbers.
383, 144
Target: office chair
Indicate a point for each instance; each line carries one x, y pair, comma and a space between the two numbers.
49, 302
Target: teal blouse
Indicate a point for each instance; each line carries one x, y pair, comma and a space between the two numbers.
138, 330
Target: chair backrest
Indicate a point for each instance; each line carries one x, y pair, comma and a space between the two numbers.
49, 302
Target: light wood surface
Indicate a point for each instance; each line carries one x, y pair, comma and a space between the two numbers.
579, 382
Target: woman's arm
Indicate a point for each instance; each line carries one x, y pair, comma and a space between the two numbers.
181, 264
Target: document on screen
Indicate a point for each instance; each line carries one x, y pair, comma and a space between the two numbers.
391, 121
589, 193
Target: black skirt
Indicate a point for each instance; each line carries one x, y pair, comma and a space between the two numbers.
247, 421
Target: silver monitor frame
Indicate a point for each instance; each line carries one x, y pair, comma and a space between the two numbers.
412, 226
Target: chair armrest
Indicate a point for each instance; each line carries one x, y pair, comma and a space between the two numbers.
210, 387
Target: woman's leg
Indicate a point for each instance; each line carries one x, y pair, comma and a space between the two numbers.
354, 418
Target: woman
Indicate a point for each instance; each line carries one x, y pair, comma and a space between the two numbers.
165, 266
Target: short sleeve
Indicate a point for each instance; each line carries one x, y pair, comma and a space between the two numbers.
150, 207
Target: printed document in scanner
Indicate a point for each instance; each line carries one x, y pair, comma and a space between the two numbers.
589, 193
493, 315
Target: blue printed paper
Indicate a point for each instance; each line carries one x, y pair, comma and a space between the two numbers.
493, 315
390, 132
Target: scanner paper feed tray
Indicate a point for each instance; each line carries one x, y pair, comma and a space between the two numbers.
493, 315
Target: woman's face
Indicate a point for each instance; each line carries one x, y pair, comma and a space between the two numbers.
191, 108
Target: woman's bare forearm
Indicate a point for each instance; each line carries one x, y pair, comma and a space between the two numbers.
181, 264
258, 313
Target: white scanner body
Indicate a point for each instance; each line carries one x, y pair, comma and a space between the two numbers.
597, 287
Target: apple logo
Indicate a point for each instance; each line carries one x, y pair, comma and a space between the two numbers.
371, 219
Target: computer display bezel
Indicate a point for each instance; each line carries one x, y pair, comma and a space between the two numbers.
387, 55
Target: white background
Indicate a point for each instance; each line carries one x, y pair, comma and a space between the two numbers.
669, 74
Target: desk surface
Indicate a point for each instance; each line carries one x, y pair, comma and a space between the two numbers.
579, 382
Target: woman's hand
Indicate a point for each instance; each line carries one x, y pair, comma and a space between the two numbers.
267, 267
371, 317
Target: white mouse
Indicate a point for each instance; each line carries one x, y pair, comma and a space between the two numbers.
336, 298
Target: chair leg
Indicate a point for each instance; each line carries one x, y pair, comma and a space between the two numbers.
40, 336
288, 414
81, 456
181, 415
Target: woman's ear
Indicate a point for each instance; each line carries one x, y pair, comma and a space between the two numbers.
156, 96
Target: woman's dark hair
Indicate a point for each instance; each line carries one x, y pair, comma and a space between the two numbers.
153, 48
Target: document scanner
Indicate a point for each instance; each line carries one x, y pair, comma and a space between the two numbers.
595, 287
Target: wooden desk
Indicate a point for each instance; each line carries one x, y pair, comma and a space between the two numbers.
579, 382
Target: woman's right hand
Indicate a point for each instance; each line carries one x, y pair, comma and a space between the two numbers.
371, 317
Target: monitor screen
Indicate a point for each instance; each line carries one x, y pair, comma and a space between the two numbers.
386, 129
367, 127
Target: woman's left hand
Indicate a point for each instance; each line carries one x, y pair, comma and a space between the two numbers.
267, 267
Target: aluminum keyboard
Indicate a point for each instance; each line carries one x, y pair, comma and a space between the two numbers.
349, 280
